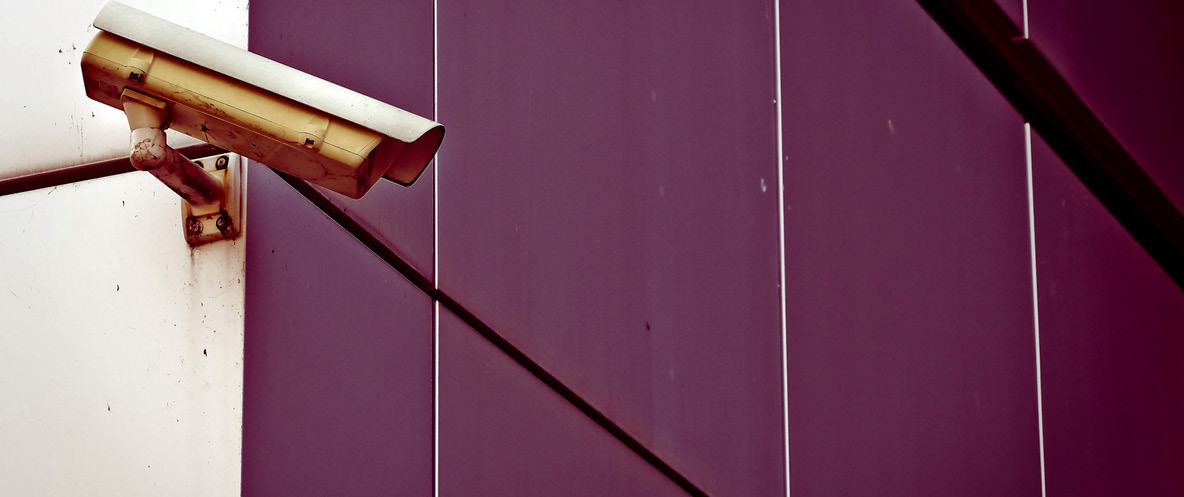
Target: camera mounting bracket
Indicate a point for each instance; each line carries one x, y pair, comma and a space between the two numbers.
223, 218
211, 188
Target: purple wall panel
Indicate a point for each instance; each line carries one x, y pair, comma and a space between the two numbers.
1111, 325
1126, 60
504, 433
381, 49
911, 356
1111, 320
338, 359
608, 202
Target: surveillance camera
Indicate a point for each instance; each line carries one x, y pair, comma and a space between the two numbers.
166, 76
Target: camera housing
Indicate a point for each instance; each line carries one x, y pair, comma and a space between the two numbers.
253, 106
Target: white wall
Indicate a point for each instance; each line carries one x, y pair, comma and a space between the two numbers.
120, 346
47, 122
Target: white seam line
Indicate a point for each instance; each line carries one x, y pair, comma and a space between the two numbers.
1035, 304
436, 170
1025, 18
436, 258
1035, 292
781, 234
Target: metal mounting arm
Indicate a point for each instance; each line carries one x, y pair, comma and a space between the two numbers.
148, 118
212, 192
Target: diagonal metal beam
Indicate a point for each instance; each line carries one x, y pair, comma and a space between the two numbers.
425, 285
1034, 87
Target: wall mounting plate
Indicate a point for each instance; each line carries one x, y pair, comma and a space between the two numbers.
221, 220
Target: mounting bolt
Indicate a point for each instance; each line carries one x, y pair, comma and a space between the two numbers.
193, 226
223, 222
221, 163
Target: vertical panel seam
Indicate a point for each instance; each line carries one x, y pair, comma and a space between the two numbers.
1035, 292
781, 236
1035, 304
436, 257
